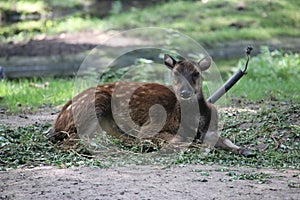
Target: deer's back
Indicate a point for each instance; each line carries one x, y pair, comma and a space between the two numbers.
113, 99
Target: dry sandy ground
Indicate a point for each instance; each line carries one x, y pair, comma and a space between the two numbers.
141, 182
145, 182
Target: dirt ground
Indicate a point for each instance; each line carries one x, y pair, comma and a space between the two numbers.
141, 181
65, 43
74, 43
144, 182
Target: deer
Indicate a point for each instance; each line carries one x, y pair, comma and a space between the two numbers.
135, 112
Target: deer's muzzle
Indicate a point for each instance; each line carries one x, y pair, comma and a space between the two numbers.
186, 94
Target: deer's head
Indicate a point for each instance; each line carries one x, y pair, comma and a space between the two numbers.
187, 80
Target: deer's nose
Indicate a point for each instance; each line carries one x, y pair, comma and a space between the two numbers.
185, 94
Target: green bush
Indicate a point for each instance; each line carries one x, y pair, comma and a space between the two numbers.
270, 75
271, 66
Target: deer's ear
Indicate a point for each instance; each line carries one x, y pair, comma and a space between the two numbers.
169, 61
205, 63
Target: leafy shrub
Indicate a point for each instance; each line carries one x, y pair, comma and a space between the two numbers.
271, 74
270, 66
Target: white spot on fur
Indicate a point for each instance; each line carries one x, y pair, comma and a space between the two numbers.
123, 104
119, 95
69, 107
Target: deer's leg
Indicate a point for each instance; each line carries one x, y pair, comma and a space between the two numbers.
212, 137
227, 145
165, 137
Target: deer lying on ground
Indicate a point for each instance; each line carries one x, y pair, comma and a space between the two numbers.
134, 112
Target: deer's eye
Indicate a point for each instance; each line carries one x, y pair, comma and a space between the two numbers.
196, 74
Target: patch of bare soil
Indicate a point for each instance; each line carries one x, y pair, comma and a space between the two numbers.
147, 182
74, 43
22, 120
64, 43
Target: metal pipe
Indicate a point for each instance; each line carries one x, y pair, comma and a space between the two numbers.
229, 83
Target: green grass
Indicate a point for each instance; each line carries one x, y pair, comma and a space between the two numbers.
271, 75
212, 22
207, 23
37, 5
25, 95
25, 30
23, 5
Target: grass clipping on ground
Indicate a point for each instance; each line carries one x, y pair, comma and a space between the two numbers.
270, 128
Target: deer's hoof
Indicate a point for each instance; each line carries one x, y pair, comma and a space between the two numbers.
247, 153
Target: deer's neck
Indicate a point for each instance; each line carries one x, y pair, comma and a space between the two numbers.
190, 104
202, 103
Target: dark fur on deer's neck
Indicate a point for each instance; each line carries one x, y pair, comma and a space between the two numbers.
201, 100
203, 105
